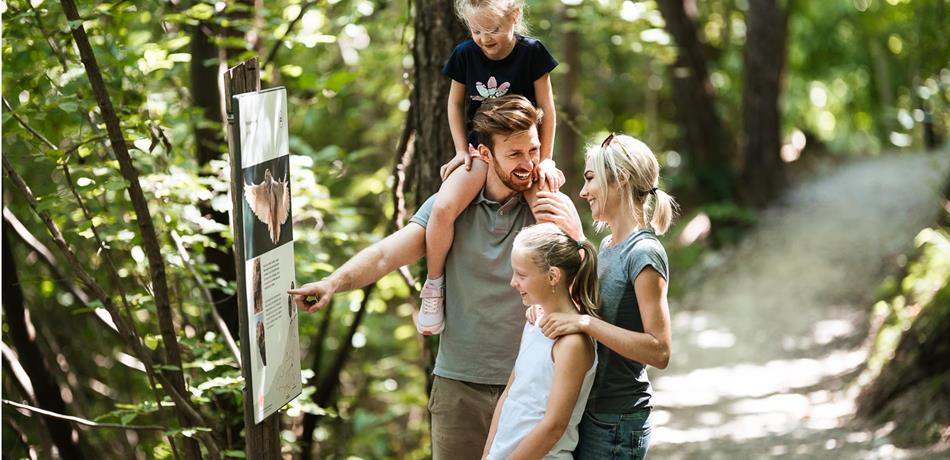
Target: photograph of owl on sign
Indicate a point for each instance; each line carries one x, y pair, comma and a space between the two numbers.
267, 216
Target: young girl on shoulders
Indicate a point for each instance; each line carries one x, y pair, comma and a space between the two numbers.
498, 60
538, 413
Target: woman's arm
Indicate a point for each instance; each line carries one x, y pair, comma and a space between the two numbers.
573, 357
652, 346
496, 416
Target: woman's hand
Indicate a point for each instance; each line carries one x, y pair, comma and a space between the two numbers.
554, 325
558, 209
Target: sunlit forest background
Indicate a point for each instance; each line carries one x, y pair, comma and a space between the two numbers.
118, 280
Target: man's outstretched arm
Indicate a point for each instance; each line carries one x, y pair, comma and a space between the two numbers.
403, 247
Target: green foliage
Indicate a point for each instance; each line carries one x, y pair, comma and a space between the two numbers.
902, 301
346, 65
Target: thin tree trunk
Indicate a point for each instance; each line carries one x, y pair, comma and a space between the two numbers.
143, 215
44, 255
437, 31
183, 406
762, 168
45, 388
16, 382
245, 24
326, 388
708, 143
310, 420
211, 145
569, 155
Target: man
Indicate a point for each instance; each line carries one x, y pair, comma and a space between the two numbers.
484, 315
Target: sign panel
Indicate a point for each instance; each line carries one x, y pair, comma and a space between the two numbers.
273, 371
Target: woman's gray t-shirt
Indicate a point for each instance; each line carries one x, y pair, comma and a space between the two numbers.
622, 385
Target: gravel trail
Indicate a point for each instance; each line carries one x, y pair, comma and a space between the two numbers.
770, 336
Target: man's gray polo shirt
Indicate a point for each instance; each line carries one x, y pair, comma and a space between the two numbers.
484, 316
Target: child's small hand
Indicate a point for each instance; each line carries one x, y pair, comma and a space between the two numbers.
462, 157
533, 313
549, 176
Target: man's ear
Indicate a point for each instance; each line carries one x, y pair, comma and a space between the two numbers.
484, 151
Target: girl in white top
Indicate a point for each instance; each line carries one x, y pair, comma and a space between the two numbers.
538, 413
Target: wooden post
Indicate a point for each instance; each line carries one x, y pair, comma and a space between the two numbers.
262, 441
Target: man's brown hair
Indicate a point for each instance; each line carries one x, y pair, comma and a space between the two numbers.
504, 115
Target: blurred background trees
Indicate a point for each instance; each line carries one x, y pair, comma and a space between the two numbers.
734, 96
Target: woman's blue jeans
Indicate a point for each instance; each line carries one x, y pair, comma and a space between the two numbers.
614, 436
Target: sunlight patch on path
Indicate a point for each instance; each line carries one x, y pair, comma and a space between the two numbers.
709, 386
768, 336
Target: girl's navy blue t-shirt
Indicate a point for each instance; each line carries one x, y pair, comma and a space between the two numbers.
484, 78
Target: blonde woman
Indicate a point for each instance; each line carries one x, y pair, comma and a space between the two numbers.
621, 184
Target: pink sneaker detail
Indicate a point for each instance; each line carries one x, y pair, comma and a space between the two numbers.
431, 319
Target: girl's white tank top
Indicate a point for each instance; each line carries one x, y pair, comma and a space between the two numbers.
528, 398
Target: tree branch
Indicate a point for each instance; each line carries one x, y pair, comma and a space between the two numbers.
22, 333
49, 39
103, 248
46, 256
405, 151
139, 204
19, 373
183, 407
27, 126
290, 27
218, 320
81, 420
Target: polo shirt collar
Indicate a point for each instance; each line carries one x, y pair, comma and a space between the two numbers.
481, 198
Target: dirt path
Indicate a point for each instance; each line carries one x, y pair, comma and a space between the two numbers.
769, 339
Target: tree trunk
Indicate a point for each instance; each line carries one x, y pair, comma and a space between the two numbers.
210, 145
45, 388
709, 145
143, 218
244, 26
327, 387
568, 154
762, 167
437, 31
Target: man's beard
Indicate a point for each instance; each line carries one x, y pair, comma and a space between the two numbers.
506, 178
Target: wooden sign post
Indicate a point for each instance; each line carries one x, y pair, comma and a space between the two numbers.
262, 439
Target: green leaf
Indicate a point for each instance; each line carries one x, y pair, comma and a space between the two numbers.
116, 184
151, 341
235, 454
338, 80
201, 11
128, 417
